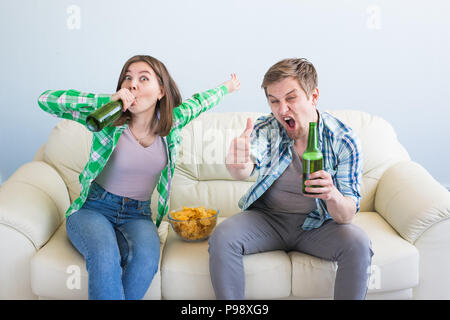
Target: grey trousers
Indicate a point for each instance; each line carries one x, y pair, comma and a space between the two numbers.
254, 231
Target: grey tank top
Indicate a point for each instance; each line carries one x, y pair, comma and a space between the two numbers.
133, 170
285, 193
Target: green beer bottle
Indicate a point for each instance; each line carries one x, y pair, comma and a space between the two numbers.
312, 157
104, 115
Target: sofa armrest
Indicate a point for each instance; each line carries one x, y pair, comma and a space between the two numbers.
411, 200
33, 202
39, 156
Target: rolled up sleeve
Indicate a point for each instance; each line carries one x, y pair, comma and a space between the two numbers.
349, 169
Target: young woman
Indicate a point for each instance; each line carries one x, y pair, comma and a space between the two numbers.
110, 223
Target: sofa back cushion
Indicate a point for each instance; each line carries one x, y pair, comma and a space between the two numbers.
381, 149
67, 150
201, 178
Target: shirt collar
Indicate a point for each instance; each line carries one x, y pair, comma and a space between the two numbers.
320, 127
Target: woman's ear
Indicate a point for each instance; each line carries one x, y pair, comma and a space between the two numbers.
161, 94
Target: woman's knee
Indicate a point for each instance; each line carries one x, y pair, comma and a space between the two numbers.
94, 238
144, 249
148, 256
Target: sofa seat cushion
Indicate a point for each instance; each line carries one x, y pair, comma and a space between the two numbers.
185, 271
395, 263
55, 267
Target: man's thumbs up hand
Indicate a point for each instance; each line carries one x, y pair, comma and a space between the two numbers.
248, 129
239, 153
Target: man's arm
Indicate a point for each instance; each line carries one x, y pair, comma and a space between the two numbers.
342, 199
342, 209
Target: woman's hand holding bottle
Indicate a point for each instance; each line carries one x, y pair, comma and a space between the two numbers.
126, 96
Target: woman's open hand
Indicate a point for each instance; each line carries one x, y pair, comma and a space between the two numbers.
233, 84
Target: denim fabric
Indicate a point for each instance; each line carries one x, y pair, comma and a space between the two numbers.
120, 243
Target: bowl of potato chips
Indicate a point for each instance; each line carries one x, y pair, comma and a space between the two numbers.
193, 224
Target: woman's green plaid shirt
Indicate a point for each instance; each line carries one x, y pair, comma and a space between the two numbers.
75, 105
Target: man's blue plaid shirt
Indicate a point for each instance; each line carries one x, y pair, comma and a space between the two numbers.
271, 152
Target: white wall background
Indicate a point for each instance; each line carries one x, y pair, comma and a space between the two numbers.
388, 58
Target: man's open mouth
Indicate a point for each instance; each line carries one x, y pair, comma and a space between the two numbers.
290, 122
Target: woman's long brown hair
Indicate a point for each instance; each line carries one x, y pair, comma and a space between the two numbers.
170, 100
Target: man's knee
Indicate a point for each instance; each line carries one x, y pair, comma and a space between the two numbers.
223, 237
355, 242
219, 236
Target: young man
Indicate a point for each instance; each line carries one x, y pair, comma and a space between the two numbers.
276, 215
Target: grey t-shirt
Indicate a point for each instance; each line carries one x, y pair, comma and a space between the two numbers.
285, 193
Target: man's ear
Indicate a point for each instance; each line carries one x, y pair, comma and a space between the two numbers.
315, 96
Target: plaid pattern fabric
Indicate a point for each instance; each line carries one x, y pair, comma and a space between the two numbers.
271, 151
75, 105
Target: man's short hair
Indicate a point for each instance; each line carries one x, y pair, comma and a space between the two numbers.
298, 68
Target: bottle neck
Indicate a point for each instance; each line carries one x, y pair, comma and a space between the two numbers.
313, 143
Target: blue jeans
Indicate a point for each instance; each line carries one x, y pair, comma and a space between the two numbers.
120, 243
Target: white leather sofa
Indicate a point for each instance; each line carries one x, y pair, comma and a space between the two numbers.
403, 210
